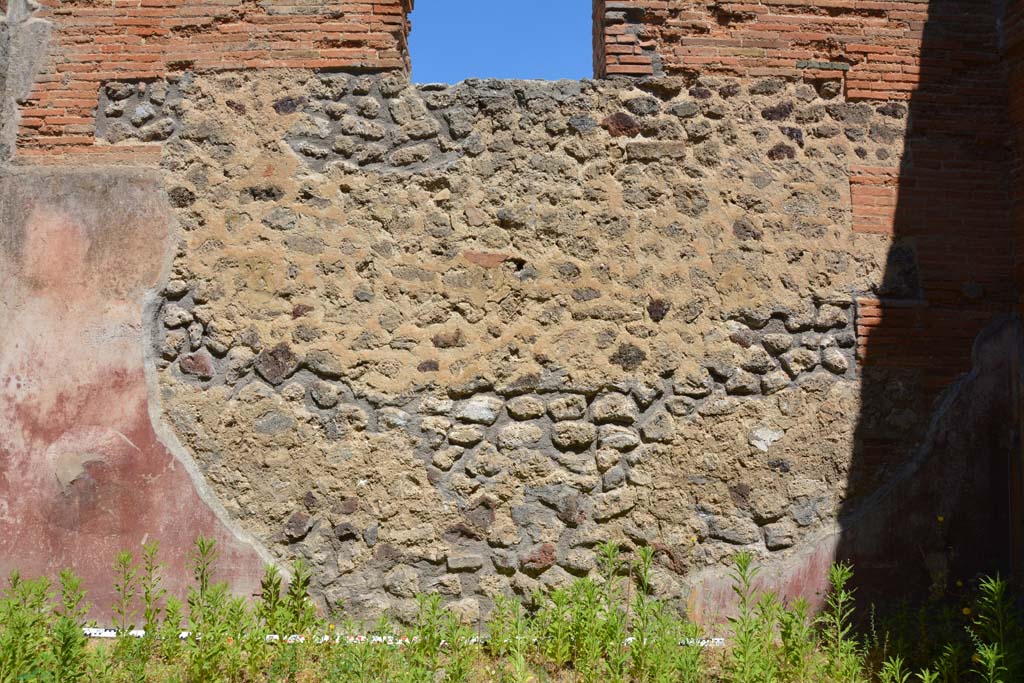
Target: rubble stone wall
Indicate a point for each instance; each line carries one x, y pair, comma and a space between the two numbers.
449, 338
96, 42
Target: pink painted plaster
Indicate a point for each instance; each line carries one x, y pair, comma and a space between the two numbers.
83, 473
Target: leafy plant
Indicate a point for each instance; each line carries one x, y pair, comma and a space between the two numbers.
68, 657
609, 628
996, 631
799, 643
988, 663
842, 652
207, 611
153, 593
269, 607
125, 587
425, 650
299, 611
169, 631
751, 659
894, 671
462, 650
25, 624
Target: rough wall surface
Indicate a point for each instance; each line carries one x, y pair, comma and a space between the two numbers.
515, 329
23, 42
449, 338
875, 48
145, 39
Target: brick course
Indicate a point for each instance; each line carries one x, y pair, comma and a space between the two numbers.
874, 47
131, 40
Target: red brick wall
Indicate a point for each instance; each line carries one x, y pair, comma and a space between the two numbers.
625, 38
947, 198
97, 41
946, 203
874, 45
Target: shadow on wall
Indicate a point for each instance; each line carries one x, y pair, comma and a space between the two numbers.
928, 500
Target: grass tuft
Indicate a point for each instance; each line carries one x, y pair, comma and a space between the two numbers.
610, 628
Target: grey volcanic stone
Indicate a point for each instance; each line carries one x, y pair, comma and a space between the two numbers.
735, 530
777, 343
659, 427
274, 422
519, 434
833, 360
176, 316
481, 410
619, 438
573, 435
463, 562
567, 408
614, 408
173, 344
281, 218
525, 408
680, 405
743, 383
758, 361
613, 503
778, 536
799, 360
694, 385
718, 406
277, 364
646, 394
465, 435
393, 418
830, 316
774, 381
198, 364
324, 364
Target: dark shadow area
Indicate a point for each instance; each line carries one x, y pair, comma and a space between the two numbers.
928, 502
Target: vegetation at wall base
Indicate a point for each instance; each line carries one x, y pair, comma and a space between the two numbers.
608, 628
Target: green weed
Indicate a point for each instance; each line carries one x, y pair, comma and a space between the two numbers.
610, 627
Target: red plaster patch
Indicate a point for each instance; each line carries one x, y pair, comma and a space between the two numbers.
83, 473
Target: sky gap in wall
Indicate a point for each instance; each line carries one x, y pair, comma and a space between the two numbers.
452, 40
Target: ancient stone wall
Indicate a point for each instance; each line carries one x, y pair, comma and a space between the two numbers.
448, 338
452, 337
96, 42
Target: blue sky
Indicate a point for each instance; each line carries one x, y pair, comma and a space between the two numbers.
456, 39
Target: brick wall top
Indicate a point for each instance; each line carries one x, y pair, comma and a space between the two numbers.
130, 40
875, 46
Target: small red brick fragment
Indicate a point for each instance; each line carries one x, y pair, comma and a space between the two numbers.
621, 125
485, 259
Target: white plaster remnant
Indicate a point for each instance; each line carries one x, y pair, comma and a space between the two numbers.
762, 438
